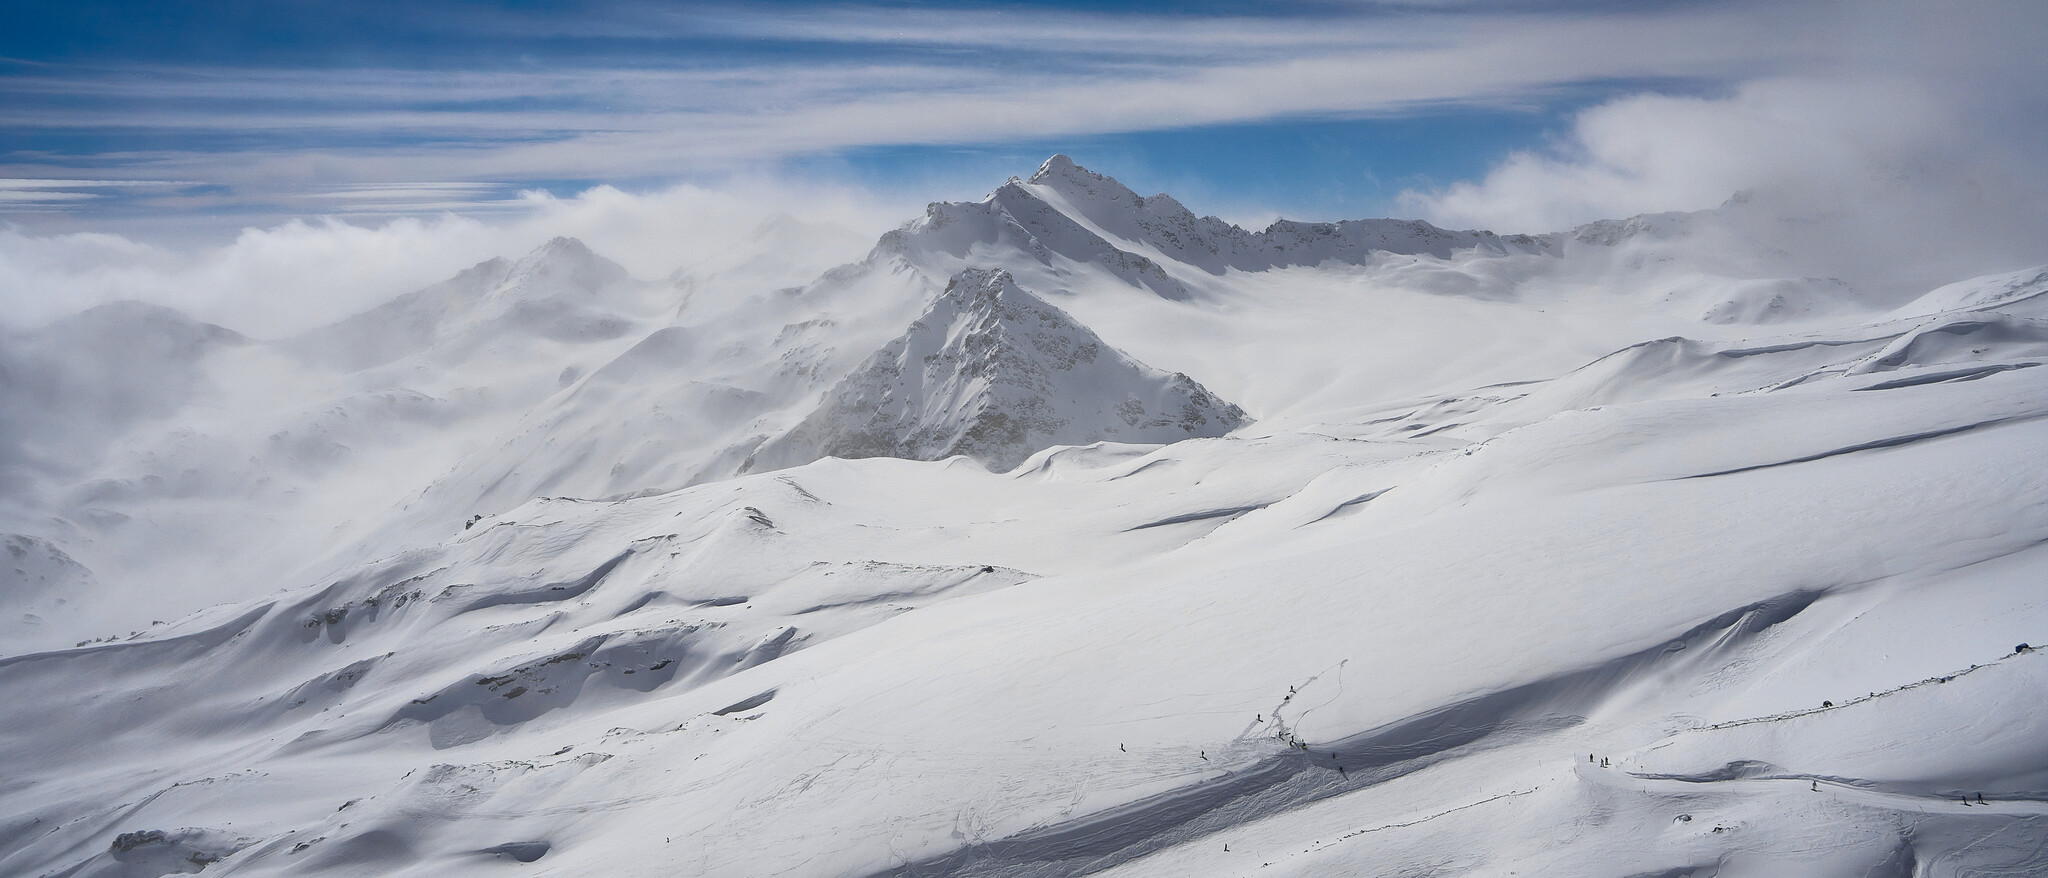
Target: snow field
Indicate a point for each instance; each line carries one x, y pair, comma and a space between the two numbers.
1527, 565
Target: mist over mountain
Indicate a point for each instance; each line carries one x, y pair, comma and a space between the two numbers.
1065, 532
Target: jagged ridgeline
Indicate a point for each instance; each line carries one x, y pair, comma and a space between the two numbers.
1067, 213
995, 373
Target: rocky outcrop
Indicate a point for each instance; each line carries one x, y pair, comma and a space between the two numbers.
995, 373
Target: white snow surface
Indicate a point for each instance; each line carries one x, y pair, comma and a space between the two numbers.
1359, 548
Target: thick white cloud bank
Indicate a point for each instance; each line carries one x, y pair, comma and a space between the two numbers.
1888, 142
1889, 182
287, 278
1906, 146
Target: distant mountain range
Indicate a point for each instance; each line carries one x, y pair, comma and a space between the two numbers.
1066, 533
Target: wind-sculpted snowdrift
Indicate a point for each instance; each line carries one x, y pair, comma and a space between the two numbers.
1582, 590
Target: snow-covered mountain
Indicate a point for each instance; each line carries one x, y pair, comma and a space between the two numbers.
1066, 216
560, 292
153, 449
1596, 553
994, 373
58, 407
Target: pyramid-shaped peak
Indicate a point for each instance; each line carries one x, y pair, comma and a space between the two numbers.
995, 373
1060, 174
571, 260
560, 248
1061, 165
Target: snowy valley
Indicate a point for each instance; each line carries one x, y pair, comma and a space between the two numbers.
1064, 533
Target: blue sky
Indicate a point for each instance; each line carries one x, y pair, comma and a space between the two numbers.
175, 117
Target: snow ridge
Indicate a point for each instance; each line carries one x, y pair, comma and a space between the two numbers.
1015, 216
560, 292
1209, 243
1067, 212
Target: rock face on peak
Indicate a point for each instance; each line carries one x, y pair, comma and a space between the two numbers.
1062, 167
1641, 227
1067, 211
1159, 222
1017, 216
1287, 242
1213, 245
995, 373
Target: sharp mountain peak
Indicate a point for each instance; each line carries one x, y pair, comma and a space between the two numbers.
995, 373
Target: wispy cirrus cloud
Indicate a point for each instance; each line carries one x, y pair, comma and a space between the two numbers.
51, 194
386, 145
397, 109
650, 92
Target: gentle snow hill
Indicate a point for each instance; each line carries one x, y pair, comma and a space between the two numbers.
994, 373
2014, 291
1946, 347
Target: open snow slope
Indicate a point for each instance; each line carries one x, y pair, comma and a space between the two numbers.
1489, 555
